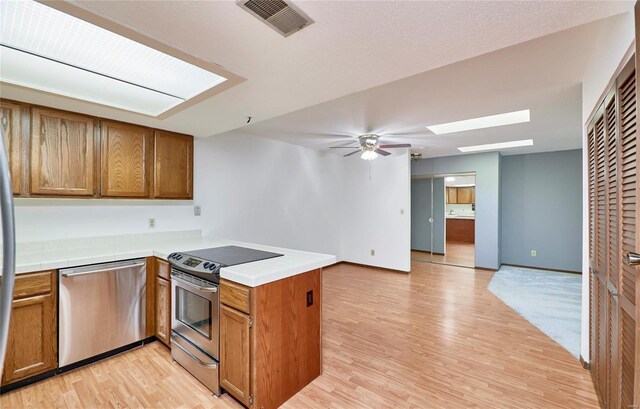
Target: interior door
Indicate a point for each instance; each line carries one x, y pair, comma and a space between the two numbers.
613, 229
421, 218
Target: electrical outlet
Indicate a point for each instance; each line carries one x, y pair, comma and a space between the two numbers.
402, 212
373, 252
197, 210
152, 222
534, 253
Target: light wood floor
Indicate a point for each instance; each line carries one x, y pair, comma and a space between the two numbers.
457, 253
436, 338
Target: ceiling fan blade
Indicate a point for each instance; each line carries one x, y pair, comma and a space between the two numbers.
396, 145
381, 152
352, 153
342, 147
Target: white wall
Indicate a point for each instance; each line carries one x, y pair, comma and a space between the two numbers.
373, 196
54, 219
269, 192
613, 43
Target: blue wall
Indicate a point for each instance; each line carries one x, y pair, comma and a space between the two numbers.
542, 209
487, 169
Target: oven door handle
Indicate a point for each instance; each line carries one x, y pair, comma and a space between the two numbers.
197, 287
174, 342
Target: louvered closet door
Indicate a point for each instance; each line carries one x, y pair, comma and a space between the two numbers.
613, 192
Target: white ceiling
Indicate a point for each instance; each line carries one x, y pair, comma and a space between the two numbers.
353, 46
543, 75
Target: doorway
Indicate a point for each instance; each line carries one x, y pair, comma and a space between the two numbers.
443, 219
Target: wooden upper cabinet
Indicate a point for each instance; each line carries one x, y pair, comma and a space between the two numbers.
126, 160
62, 153
452, 195
465, 195
173, 174
12, 135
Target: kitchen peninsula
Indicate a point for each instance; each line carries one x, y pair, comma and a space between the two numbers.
270, 310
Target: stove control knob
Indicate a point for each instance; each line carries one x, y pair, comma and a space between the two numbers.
172, 255
206, 265
212, 267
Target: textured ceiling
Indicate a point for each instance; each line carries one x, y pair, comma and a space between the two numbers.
353, 46
543, 75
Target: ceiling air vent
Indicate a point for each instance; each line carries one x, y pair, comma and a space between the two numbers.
283, 17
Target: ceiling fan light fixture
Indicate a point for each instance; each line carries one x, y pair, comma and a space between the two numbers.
369, 155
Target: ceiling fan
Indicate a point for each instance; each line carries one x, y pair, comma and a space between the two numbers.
370, 147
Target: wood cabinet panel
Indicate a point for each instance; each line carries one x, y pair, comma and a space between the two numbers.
11, 132
235, 295
62, 153
151, 297
125, 153
163, 310
462, 230
235, 369
163, 269
173, 166
452, 195
464, 195
32, 346
288, 337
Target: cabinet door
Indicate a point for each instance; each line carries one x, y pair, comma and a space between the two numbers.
11, 133
125, 160
173, 175
32, 338
163, 310
464, 195
234, 353
62, 153
452, 195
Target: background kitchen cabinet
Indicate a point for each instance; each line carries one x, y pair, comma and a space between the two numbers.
32, 346
12, 134
173, 175
62, 153
465, 195
452, 195
163, 301
126, 160
461, 195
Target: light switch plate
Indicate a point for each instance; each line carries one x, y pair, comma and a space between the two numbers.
152, 222
197, 210
534, 253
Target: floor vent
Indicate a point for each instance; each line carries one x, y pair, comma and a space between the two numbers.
280, 15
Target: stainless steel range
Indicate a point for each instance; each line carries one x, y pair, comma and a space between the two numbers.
195, 306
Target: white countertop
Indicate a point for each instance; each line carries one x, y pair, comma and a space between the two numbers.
48, 255
460, 216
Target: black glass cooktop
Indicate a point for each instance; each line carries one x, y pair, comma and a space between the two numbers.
232, 255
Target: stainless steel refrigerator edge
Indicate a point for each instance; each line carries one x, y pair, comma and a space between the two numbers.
102, 308
8, 251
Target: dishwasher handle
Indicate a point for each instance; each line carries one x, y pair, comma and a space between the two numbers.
74, 272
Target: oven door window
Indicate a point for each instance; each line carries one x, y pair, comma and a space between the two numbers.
193, 311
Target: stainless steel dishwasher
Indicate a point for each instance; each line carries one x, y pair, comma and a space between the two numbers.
102, 308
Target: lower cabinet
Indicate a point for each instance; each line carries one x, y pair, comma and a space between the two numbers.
32, 346
234, 352
163, 310
270, 338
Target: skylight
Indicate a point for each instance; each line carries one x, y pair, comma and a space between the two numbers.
482, 122
496, 146
48, 50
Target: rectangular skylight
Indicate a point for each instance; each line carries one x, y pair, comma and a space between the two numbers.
48, 50
508, 118
497, 146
